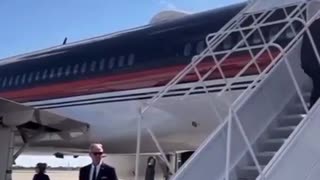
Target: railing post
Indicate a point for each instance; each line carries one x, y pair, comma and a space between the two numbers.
208, 94
139, 128
246, 139
229, 133
296, 85
164, 158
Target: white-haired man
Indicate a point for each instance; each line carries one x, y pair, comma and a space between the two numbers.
97, 170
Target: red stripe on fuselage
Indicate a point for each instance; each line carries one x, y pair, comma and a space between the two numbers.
135, 80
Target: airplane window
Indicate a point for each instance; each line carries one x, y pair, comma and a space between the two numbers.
44, 75
93, 66
256, 38
60, 70
200, 46
67, 72
10, 81
111, 62
240, 40
101, 64
84, 67
4, 82
227, 43
37, 76
23, 79
51, 73
75, 69
187, 49
17, 80
121, 61
131, 60
30, 77
13, 80
273, 32
289, 33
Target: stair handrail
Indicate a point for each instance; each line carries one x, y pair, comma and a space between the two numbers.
204, 54
247, 94
238, 103
196, 61
289, 141
263, 46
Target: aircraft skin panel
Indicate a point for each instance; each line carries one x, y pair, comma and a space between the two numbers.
129, 81
175, 122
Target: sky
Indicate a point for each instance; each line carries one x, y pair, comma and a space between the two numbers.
31, 25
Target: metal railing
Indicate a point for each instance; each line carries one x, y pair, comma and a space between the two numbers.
213, 41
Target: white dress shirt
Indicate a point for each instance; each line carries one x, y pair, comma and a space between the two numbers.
97, 170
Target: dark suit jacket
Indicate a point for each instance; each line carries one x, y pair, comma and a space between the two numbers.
41, 177
309, 61
105, 173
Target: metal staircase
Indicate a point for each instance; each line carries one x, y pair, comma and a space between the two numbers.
274, 137
273, 105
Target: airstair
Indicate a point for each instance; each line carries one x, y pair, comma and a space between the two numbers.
266, 118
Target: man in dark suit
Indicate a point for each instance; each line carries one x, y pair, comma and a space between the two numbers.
97, 170
309, 61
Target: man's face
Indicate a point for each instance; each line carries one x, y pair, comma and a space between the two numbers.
96, 153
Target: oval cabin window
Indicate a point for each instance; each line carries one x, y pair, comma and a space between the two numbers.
68, 69
17, 80
10, 81
51, 73
187, 49
75, 69
4, 82
227, 43
240, 40
290, 33
111, 62
200, 46
121, 61
93, 66
131, 60
273, 32
30, 77
256, 38
83, 67
37, 76
101, 64
45, 72
60, 70
23, 79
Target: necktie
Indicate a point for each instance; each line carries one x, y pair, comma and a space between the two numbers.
94, 173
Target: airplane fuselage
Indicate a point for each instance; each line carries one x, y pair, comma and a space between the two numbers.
106, 81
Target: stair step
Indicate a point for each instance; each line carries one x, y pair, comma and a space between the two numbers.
272, 144
282, 131
246, 179
291, 120
249, 172
296, 109
306, 96
263, 157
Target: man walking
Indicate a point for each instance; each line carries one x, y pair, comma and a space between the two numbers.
310, 62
